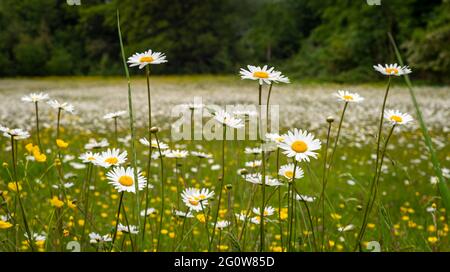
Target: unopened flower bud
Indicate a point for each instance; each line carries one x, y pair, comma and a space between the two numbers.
330, 119
154, 129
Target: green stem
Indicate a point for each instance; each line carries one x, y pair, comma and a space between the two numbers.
24, 216
372, 185
117, 220
263, 176
322, 195
132, 128
37, 126
220, 187
291, 207
161, 216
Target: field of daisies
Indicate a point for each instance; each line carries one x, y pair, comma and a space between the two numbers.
90, 164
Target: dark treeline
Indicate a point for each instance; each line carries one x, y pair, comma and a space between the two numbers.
309, 39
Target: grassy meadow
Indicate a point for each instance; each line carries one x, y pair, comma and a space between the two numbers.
65, 199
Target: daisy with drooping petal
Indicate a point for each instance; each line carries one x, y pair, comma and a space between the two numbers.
395, 117
62, 106
35, 97
280, 78
300, 144
148, 57
113, 115
154, 143
90, 157
263, 75
112, 157
196, 199
128, 229
349, 97
227, 119
392, 69
287, 171
123, 179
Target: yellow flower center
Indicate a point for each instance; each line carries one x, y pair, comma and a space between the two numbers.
146, 59
299, 146
91, 159
201, 197
348, 97
392, 70
261, 74
289, 173
112, 160
396, 118
126, 181
193, 202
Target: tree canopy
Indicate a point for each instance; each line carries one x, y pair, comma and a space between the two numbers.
309, 39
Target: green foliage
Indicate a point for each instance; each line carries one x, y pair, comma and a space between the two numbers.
310, 39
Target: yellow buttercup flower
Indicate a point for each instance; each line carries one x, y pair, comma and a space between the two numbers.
71, 204
61, 144
39, 157
55, 202
5, 225
13, 187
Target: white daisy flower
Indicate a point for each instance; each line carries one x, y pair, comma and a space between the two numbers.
178, 154
112, 157
61, 106
149, 211
123, 179
181, 214
93, 144
36, 236
113, 115
16, 133
202, 155
253, 164
300, 144
222, 224
95, 238
253, 150
346, 228
268, 211
287, 171
304, 198
257, 179
246, 113
275, 137
280, 78
35, 97
90, 157
195, 198
227, 119
347, 96
154, 144
263, 75
132, 229
392, 69
395, 117
148, 57
241, 216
